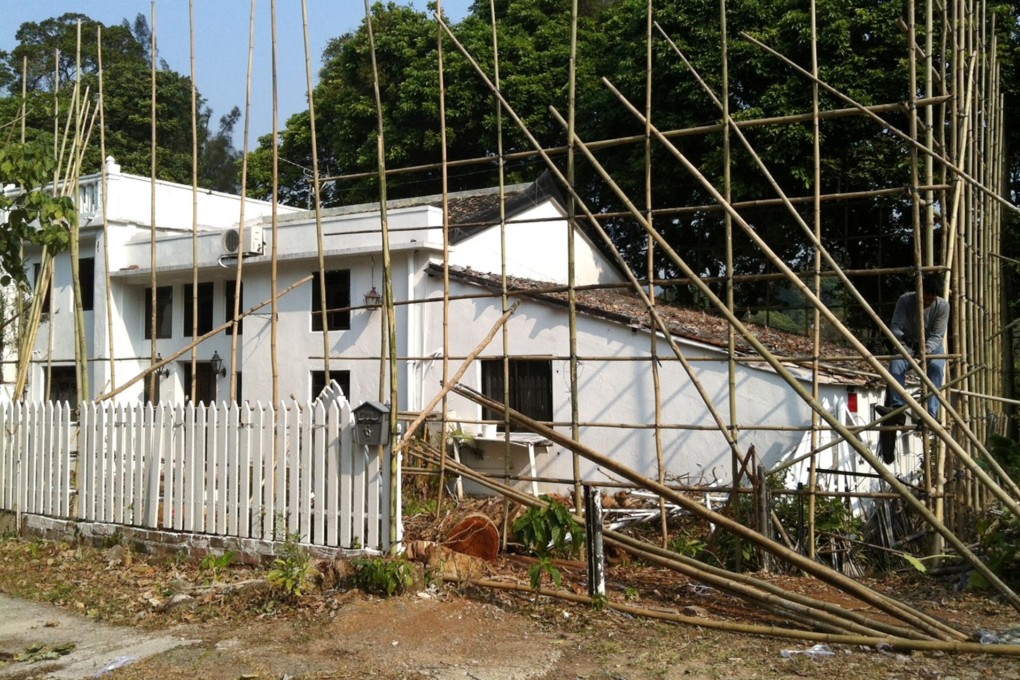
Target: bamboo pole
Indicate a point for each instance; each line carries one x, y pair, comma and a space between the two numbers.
239, 279
863, 450
154, 310
317, 194
389, 328
274, 329
660, 458
503, 287
575, 397
104, 190
445, 172
768, 631
859, 446
192, 388
81, 353
187, 348
816, 284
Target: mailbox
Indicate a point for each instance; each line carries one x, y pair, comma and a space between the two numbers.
372, 424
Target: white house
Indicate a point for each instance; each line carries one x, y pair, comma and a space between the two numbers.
616, 403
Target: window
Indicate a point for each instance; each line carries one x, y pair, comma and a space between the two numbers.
530, 387
87, 279
37, 271
343, 378
164, 312
205, 308
63, 384
338, 300
228, 296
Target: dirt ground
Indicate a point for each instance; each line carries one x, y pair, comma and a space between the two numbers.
246, 629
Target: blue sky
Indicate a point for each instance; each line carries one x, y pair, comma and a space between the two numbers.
221, 43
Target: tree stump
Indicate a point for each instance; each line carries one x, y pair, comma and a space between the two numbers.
475, 535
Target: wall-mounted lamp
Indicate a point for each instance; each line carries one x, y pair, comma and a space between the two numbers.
373, 298
216, 364
162, 372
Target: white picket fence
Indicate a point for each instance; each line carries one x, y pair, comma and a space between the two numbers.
251, 472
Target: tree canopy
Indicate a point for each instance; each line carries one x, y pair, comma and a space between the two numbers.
127, 91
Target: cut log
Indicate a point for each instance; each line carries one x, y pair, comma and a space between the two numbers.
475, 535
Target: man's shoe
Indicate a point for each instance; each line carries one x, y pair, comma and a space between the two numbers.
884, 410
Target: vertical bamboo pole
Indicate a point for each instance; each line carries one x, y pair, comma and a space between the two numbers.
390, 349
317, 192
153, 378
575, 430
737, 464
192, 388
238, 286
504, 300
650, 245
81, 352
273, 320
445, 171
104, 190
816, 279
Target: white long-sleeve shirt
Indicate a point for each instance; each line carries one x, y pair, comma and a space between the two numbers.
936, 321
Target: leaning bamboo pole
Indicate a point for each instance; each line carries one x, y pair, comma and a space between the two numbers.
816, 281
81, 354
202, 338
239, 279
317, 193
834, 578
767, 631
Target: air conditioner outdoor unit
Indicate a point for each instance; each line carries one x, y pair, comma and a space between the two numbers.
252, 241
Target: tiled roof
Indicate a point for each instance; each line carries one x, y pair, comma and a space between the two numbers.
697, 325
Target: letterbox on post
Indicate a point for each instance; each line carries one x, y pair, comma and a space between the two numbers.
372, 424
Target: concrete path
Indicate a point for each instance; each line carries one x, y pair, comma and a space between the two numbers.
49, 631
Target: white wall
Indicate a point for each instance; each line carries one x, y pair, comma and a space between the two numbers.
536, 246
620, 392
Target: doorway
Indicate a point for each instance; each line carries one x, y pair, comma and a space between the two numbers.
205, 382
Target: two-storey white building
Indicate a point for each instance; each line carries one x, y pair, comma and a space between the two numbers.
616, 398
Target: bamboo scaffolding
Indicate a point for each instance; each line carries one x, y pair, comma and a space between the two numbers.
860, 447
918, 409
639, 139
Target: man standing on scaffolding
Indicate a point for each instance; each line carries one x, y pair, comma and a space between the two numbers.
904, 327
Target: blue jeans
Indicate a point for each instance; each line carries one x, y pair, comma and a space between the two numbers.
936, 373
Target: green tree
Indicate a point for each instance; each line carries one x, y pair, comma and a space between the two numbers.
127, 91
30, 215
